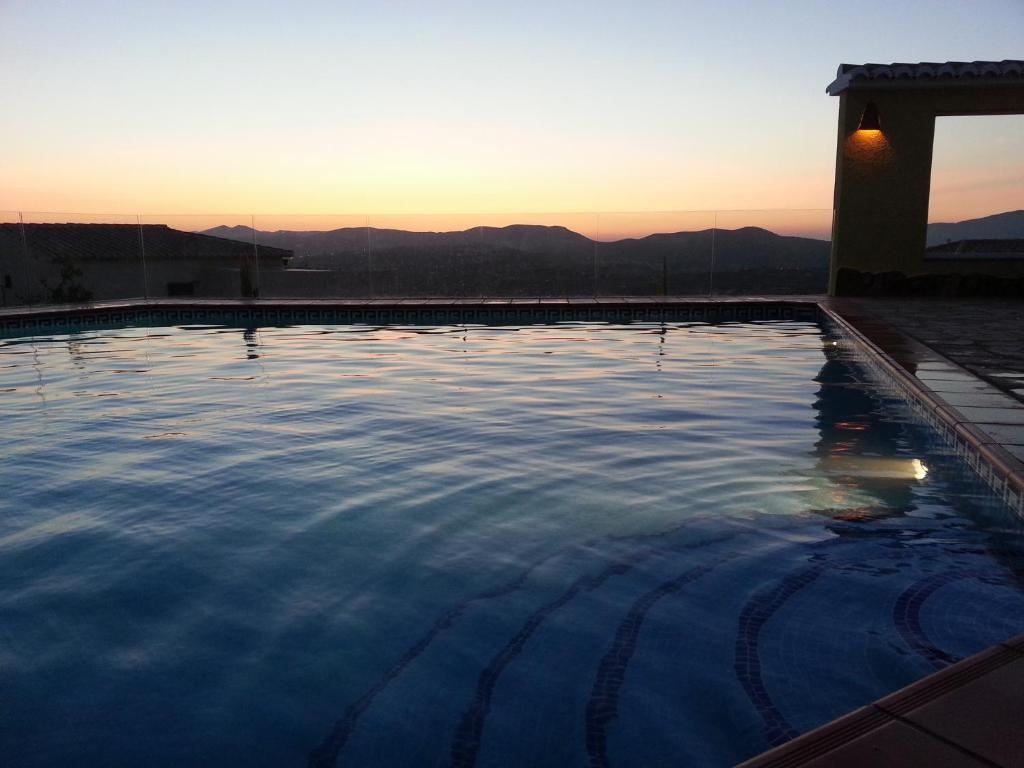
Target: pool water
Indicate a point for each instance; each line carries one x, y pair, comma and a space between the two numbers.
574, 544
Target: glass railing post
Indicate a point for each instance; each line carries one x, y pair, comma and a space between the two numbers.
711, 272
142, 255
255, 255
30, 275
483, 287
369, 260
664, 274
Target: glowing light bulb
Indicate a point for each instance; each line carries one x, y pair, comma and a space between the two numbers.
920, 470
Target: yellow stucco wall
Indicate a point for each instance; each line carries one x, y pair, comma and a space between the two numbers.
883, 177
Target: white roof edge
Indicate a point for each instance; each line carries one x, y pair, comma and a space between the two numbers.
925, 74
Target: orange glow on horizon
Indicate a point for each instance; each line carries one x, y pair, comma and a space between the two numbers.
977, 167
604, 227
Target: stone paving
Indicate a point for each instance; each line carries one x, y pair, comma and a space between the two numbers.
966, 715
969, 354
984, 336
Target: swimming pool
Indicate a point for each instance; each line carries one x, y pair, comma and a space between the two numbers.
563, 544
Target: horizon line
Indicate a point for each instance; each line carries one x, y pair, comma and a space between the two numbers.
440, 213
679, 211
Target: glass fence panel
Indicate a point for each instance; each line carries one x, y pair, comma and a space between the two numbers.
72, 257
202, 255
654, 253
537, 255
18, 285
69, 258
314, 256
417, 256
483, 255
772, 252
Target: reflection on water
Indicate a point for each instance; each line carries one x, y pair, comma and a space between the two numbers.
570, 544
860, 443
252, 343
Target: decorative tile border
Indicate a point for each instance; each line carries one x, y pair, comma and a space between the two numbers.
931, 412
403, 312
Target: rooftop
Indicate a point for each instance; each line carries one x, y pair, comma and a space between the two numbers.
979, 247
124, 242
926, 74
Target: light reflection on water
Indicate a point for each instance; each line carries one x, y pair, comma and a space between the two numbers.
560, 544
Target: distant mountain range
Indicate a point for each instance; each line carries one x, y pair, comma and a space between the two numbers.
749, 247
534, 246
526, 259
999, 226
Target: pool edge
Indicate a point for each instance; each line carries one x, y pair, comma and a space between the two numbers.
904, 722
995, 465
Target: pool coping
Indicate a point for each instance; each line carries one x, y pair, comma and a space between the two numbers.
935, 718
893, 354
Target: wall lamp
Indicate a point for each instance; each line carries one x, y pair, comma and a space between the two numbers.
870, 121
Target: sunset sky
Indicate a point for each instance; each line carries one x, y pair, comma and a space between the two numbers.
471, 107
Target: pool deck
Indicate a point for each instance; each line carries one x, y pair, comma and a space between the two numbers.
968, 714
964, 361
985, 337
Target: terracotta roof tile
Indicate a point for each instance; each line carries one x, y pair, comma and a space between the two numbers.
913, 75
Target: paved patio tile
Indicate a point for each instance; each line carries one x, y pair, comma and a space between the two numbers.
968, 714
984, 715
975, 399
942, 386
983, 335
895, 745
945, 375
993, 415
1006, 434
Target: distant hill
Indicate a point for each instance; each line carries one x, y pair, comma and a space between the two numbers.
323, 244
745, 248
531, 260
999, 226
748, 247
